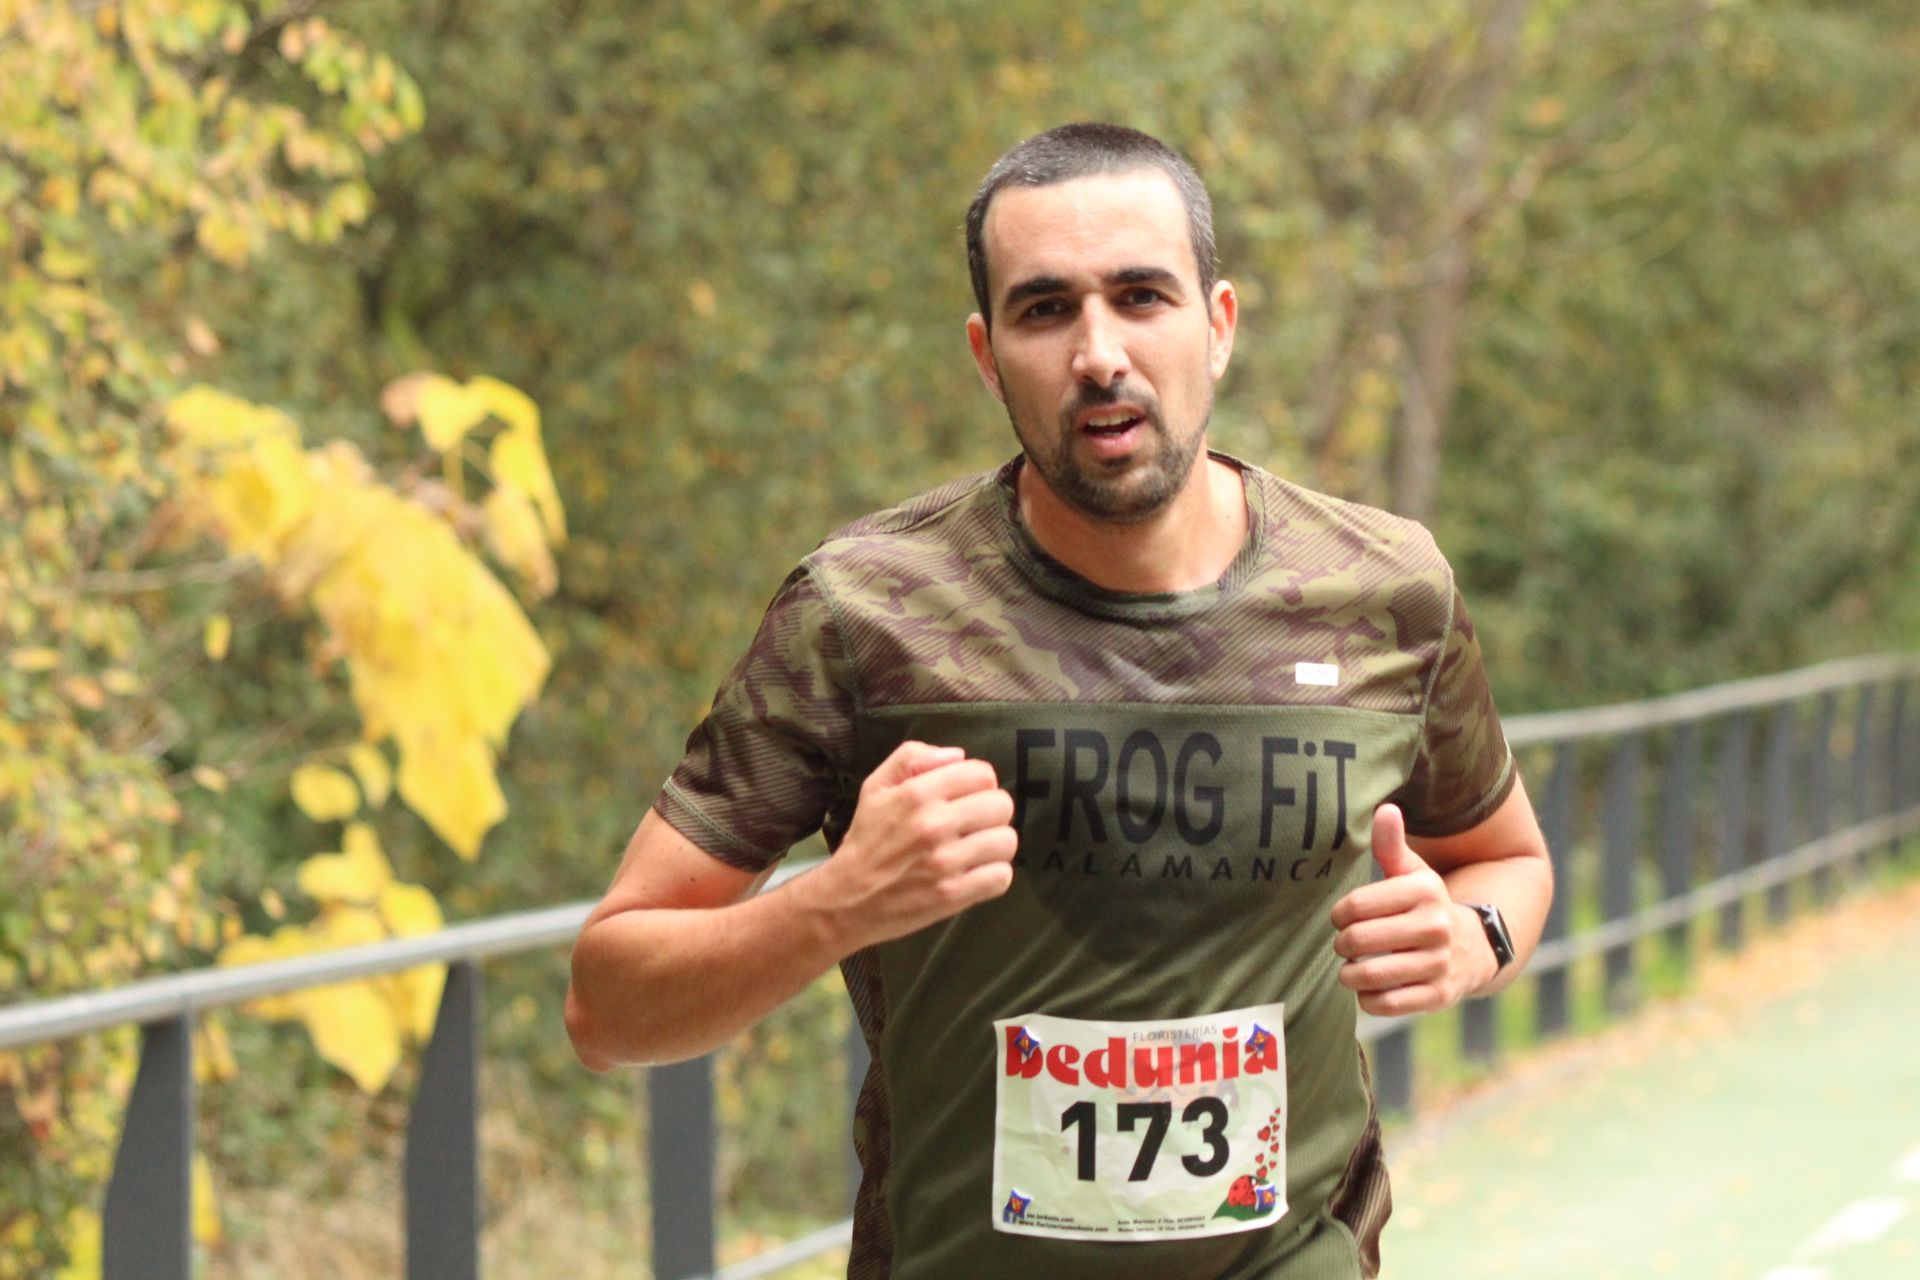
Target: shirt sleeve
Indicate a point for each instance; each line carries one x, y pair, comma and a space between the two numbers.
1463, 768
770, 759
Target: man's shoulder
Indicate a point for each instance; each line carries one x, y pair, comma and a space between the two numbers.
1316, 533
946, 516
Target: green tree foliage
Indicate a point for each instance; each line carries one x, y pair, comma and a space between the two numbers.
136, 140
126, 151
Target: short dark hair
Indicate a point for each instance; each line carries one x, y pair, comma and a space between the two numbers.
1080, 151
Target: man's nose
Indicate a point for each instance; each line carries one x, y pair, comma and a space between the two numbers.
1100, 354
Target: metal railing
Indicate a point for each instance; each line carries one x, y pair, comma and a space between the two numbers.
1838, 773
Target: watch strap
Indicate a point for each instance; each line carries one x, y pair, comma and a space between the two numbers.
1497, 936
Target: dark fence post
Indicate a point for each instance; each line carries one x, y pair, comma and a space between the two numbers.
858, 1059
146, 1232
1901, 758
1777, 838
1557, 824
1393, 1069
1896, 791
1621, 825
680, 1167
1820, 782
1736, 759
1479, 1033
442, 1165
1862, 764
1677, 829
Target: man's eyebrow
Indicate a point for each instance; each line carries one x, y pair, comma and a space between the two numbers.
1145, 275
1041, 286
1036, 287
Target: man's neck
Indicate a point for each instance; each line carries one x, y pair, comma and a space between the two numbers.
1185, 545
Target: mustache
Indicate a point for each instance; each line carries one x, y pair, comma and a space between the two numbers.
1096, 397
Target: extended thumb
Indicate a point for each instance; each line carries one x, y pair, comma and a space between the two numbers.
1390, 847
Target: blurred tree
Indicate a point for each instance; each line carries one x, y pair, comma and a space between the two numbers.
139, 138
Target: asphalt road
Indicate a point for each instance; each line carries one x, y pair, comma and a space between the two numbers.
1765, 1128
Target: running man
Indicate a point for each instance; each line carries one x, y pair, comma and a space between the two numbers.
1106, 743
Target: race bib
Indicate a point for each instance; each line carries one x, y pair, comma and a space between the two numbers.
1140, 1130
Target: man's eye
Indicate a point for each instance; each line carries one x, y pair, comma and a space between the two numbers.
1044, 308
1141, 297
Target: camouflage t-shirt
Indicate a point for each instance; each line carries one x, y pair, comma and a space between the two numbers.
1195, 775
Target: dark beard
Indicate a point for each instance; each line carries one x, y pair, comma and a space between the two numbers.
1128, 496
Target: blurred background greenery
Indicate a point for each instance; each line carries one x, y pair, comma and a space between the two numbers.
1620, 296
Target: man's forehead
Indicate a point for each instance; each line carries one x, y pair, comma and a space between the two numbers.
1088, 227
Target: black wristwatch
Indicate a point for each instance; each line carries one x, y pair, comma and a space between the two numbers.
1497, 936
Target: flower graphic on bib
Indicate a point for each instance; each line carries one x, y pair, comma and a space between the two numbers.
1016, 1208
1254, 1195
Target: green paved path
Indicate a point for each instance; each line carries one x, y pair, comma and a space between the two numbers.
1727, 1136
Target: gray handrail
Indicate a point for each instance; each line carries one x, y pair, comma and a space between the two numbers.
1711, 700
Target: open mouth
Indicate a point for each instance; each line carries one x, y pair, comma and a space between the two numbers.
1112, 424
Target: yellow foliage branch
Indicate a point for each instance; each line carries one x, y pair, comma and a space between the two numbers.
439, 656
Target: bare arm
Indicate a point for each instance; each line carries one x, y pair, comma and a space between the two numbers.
677, 957
1410, 946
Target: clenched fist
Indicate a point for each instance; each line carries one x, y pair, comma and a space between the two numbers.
931, 836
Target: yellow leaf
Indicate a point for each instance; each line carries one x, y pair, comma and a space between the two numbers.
359, 873
518, 460
219, 634
452, 786
508, 403
206, 1213
415, 996
286, 941
400, 399
63, 263
213, 1053
120, 681
410, 910
225, 238
341, 926
324, 794
210, 778
34, 659
370, 766
83, 1245
514, 536
354, 1029
448, 411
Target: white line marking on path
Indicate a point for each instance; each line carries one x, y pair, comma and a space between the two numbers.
1861, 1222
1908, 1170
1794, 1271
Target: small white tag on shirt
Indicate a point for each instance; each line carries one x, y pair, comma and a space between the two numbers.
1316, 673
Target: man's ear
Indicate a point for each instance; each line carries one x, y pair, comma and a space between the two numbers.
981, 343
1223, 318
